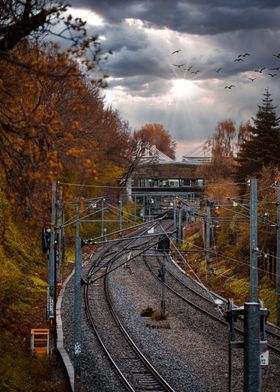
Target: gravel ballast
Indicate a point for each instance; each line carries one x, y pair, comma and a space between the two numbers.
192, 354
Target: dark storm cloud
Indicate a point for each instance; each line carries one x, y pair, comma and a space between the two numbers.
142, 86
134, 53
231, 21
120, 37
211, 34
195, 17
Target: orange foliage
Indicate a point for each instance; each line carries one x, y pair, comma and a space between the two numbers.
155, 134
52, 127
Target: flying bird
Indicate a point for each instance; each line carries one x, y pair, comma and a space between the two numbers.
195, 72
260, 70
252, 79
272, 75
238, 59
177, 51
274, 69
179, 65
218, 70
190, 67
230, 86
243, 55
276, 55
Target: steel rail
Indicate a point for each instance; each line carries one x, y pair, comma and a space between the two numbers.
149, 380
211, 315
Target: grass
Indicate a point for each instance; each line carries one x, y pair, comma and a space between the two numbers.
23, 271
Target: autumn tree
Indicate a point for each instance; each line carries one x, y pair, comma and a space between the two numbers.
134, 153
54, 125
35, 19
156, 134
19, 19
54, 128
221, 148
261, 147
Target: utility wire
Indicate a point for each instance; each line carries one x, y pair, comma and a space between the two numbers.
232, 259
183, 258
118, 210
90, 186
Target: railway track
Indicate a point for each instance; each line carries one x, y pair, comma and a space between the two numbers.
191, 293
132, 367
195, 331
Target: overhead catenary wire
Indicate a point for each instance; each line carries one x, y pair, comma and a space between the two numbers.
221, 219
79, 218
197, 277
152, 223
132, 257
118, 210
90, 186
230, 258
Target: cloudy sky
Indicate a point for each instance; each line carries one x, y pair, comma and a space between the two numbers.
219, 42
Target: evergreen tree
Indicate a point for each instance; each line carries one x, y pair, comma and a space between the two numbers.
261, 147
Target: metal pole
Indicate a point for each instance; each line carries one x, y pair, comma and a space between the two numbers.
63, 244
207, 242
77, 306
162, 303
187, 216
102, 219
174, 211
278, 257
121, 213
252, 371
51, 264
59, 245
180, 237
231, 339
253, 242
